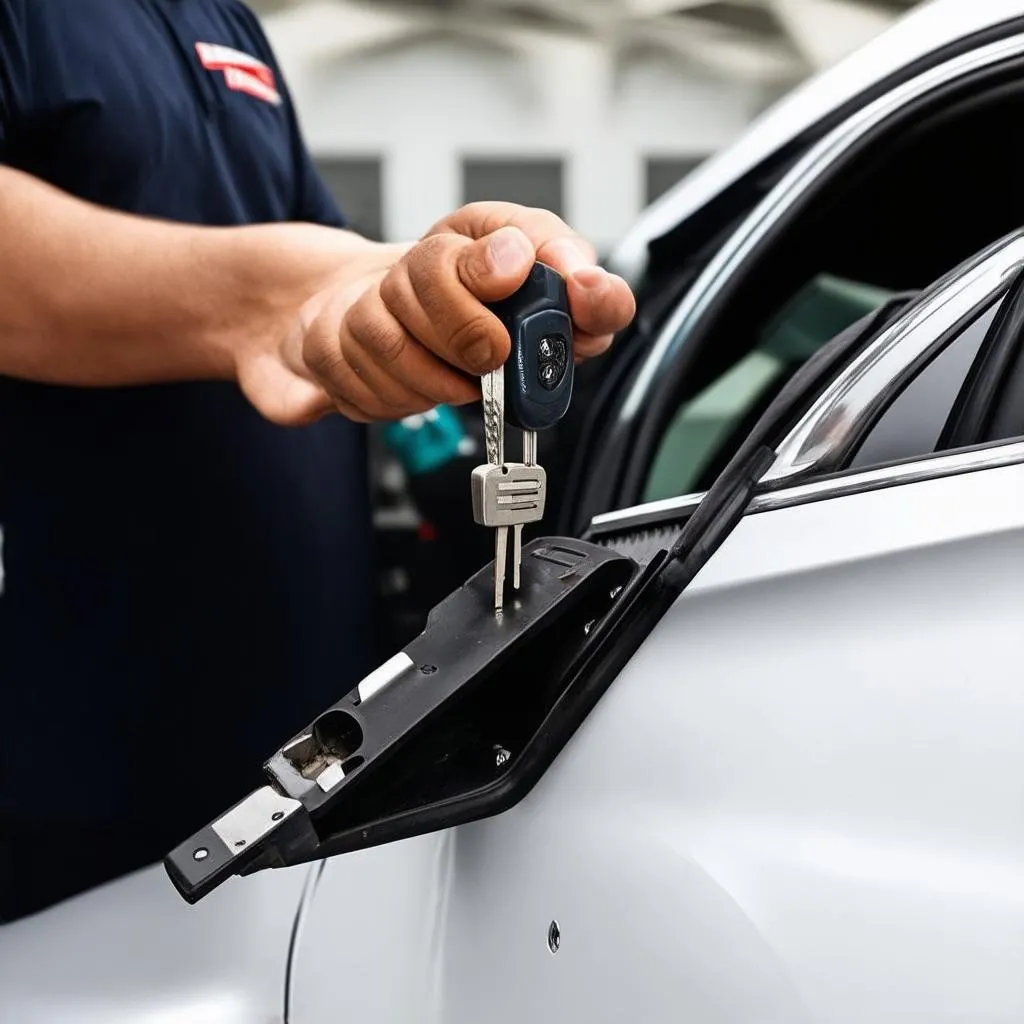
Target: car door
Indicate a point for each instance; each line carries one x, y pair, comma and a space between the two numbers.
894, 193
801, 798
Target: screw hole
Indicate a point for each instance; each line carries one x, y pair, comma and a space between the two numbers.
428, 670
201, 854
241, 842
554, 937
277, 816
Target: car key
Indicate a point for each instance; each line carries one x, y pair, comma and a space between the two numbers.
532, 392
505, 494
492, 387
508, 494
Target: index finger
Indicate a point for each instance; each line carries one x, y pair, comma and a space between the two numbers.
600, 303
555, 243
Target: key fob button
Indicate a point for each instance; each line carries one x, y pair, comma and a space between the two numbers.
539, 369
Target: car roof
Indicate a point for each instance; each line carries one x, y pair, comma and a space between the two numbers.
924, 30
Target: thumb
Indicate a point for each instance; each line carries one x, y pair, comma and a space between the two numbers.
493, 267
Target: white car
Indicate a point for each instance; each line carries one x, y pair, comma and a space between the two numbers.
800, 794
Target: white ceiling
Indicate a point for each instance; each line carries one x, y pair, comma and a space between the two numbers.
764, 40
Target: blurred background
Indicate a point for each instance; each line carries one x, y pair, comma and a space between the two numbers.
590, 108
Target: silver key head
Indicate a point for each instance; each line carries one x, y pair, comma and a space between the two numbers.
508, 495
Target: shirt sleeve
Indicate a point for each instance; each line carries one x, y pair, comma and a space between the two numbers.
312, 200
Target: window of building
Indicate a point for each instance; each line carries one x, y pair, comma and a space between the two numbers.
529, 182
663, 172
357, 185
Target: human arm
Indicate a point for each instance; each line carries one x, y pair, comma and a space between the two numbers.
92, 297
305, 318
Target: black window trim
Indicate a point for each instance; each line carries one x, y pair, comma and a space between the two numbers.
917, 469
977, 406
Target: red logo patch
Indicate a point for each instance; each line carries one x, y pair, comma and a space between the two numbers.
242, 72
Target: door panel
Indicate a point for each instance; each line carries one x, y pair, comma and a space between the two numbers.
130, 952
803, 800
373, 938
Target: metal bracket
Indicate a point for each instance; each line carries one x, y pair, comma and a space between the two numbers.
435, 725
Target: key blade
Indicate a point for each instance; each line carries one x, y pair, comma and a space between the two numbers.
529, 448
529, 460
492, 388
500, 565
517, 554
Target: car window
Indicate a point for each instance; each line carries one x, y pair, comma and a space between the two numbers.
707, 424
912, 425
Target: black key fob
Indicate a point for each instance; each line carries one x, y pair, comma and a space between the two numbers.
539, 370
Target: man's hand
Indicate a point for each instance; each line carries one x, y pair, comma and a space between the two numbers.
304, 318
403, 338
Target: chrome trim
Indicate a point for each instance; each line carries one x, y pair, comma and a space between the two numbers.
935, 468
1010, 453
652, 512
812, 165
840, 413
846, 409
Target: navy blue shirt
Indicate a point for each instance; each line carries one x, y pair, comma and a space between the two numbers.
184, 583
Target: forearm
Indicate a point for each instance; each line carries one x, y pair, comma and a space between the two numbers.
93, 297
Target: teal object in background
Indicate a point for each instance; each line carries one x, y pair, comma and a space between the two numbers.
425, 442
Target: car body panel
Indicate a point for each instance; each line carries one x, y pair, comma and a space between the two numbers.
801, 801
374, 940
775, 843
131, 952
923, 31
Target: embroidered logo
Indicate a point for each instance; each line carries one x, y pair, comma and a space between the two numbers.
242, 73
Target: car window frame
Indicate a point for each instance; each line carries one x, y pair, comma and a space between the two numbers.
925, 389
890, 361
630, 433
834, 426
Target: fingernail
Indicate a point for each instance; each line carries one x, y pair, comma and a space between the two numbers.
479, 356
509, 251
569, 256
592, 277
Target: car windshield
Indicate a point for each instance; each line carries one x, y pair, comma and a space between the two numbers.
704, 425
